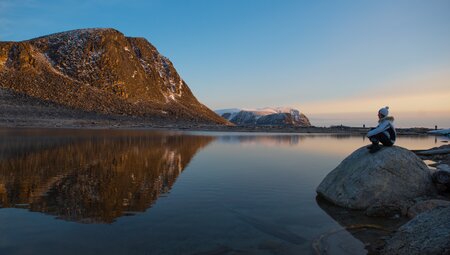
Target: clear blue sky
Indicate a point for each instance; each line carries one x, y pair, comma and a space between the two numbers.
256, 53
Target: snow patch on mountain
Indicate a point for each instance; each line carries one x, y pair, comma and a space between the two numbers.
259, 112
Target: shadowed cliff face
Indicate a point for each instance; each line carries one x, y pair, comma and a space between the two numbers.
95, 178
103, 71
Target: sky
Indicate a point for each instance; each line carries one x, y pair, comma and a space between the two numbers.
336, 61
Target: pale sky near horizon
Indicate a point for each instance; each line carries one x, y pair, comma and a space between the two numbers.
323, 57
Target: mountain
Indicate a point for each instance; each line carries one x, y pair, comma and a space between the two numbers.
102, 71
280, 116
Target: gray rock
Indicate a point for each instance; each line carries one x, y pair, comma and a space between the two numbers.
441, 179
443, 167
381, 209
383, 184
427, 233
426, 205
441, 176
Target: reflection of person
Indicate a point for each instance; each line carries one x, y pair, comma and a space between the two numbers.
384, 132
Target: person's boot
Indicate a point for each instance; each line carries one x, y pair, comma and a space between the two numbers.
374, 148
372, 145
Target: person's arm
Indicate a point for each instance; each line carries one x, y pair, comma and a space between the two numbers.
380, 128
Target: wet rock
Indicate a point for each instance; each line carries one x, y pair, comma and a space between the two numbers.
442, 177
443, 167
427, 233
382, 184
388, 210
441, 187
442, 180
426, 205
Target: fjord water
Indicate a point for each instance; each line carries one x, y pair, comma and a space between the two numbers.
161, 192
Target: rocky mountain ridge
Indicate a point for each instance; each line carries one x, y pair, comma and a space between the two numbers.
279, 116
102, 71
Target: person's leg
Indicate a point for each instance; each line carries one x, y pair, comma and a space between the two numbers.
385, 140
375, 143
374, 139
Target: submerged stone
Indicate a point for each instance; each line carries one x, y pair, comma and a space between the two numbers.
426, 205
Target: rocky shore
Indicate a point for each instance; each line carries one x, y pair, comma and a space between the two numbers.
396, 184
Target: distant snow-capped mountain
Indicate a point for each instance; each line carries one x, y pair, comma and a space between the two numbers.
269, 116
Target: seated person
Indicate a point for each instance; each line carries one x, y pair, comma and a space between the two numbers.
384, 132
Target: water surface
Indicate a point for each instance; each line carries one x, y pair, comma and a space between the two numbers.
154, 192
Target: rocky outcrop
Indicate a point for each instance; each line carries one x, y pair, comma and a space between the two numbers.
382, 184
428, 233
442, 179
441, 157
265, 117
102, 71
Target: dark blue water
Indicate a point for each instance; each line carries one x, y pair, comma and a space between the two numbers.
149, 192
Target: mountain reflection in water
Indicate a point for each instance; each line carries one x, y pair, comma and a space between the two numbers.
94, 177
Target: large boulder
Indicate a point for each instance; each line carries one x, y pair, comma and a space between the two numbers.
383, 184
427, 233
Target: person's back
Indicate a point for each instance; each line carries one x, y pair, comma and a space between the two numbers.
384, 132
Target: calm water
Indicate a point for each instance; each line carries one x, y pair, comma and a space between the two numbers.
142, 192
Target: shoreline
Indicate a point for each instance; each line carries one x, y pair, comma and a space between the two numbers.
96, 124
21, 111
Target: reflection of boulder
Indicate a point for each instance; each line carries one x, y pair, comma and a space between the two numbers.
369, 230
97, 179
383, 184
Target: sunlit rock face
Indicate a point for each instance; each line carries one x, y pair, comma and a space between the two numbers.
101, 70
92, 179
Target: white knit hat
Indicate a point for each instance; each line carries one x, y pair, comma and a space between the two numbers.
384, 111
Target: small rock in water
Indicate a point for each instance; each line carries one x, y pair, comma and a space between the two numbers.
441, 177
442, 181
443, 167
